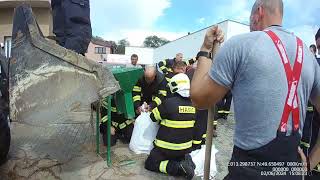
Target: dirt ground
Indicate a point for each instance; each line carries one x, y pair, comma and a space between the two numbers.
67, 151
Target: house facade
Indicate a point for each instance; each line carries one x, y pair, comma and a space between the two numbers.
98, 49
41, 10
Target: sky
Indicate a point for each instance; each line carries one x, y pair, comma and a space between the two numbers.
170, 19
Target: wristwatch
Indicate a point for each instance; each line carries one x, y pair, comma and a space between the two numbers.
204, 54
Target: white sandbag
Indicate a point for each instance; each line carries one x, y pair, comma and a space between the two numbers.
143, 135
198, 157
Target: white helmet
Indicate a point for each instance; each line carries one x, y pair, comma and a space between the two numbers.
180, 84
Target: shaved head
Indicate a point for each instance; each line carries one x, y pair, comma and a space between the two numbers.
265, 13
272, 6
150, 73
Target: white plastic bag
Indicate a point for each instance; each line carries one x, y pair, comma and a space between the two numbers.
143, 135
198, 157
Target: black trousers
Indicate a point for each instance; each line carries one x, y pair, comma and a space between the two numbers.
5, 136
123, 134
161, 161
310, 134
262, 163
200, 128
306, 135
71, 24
315, 176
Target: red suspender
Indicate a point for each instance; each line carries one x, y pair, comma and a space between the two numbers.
293, 77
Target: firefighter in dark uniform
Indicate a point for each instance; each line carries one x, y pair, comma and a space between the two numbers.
224, 106
311, 128
151, 88
200, 126
177, 67
173, 142
71, 24
200, 129
166, 66
121, 128
309, 138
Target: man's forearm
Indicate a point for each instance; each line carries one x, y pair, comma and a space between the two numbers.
315, 154
198, 83
204, 90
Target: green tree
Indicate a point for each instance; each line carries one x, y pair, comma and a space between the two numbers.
154, 41
121, 46
113, 47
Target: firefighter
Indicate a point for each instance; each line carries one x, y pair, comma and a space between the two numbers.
174, 138
223, 110
71, 24
151, 88
311, 127
177, 67
121, 128
200, 126
224, 106
308, 140
166, 66
200, 129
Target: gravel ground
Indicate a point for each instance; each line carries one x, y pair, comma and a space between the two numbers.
224, 144
67, 151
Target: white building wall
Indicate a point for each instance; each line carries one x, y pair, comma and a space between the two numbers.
185, 45
190, 45
235, 28
145, 54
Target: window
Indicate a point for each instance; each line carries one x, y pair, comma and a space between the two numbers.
100, 50
7, 46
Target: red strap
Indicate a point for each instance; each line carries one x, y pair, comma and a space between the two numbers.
293, 78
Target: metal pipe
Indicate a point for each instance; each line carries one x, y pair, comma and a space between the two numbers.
97, 128
109, 132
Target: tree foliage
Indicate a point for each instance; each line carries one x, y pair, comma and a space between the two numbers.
120, 47
154, 41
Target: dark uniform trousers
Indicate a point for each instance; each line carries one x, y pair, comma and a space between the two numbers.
200, 129
164, 162
173, 142
71, 24
124, 127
